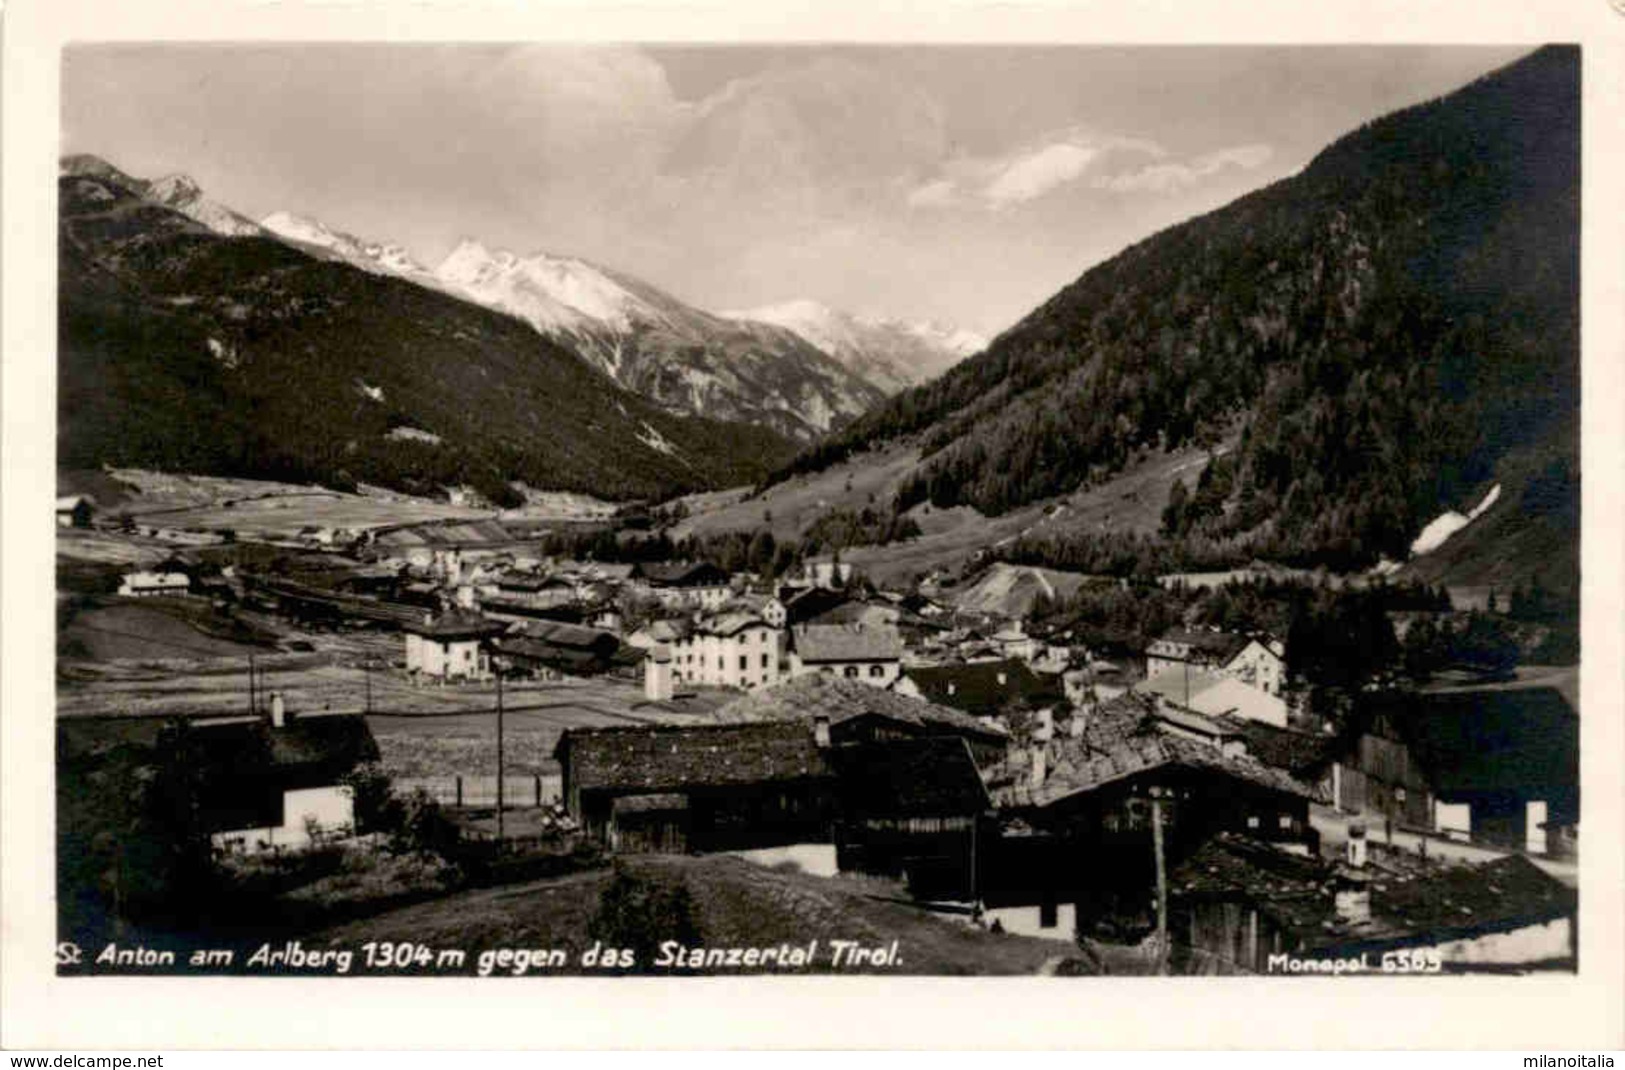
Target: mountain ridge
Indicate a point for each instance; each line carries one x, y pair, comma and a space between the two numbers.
894, 354
1384, 328
313, 369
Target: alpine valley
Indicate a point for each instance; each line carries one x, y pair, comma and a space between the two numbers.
312, 353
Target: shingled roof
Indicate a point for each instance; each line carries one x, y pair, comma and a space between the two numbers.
457, 623
653, 758
805, 698
727, 624
1215, 647
681, 574
1300, 753
1122, 740
985, 688
821, 643
1441, 900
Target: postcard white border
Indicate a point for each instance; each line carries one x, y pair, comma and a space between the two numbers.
40, 1010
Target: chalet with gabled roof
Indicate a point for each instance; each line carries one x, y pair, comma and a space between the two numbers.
1094, 795
692, 585
555, 646
873, 655
451, 645
859, 713
1260, 663
984, 688
1241, 906
720, 787
263, 783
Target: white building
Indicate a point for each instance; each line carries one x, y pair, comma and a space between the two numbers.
151, 584
1252, 661
451, 646
734, 650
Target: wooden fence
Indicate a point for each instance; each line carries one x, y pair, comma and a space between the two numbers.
480, 791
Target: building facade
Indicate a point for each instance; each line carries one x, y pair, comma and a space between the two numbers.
873, 655
736, 650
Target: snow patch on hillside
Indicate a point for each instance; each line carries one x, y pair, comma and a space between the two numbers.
655, 440
1440, 528
413, 434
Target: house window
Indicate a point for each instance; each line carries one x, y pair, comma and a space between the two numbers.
1252, 821
1285, 821
877, 670
764, 661
851, 672
744, 662
720, 663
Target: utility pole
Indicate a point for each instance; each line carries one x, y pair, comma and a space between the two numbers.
253, 707
1162, 879
497, 666
366, 668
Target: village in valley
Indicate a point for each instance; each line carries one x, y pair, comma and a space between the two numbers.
372, 724
1159, 556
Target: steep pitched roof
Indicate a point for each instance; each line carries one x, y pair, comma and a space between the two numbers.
817, 695
811, 602
1122, 740
681, 574
1216, 647
652, 758
731, 623
1436, 900
560, 633
933, 775
842, 642
457, 623
985, 688
1300, 753
244, 763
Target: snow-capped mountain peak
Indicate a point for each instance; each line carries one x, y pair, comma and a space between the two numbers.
890, 353
550, 292
183, 194
378, 258
174, 189
300, 228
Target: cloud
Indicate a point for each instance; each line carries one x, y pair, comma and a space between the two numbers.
832, 125
1035, 174
1169, 177
1026, 173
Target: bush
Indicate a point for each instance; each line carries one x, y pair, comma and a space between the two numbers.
639, 912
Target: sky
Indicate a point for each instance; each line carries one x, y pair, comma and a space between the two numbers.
960, 184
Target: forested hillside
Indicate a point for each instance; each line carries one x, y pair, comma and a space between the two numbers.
1382, 330
185, 350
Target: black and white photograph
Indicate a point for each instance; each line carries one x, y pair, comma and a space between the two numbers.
758, 509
